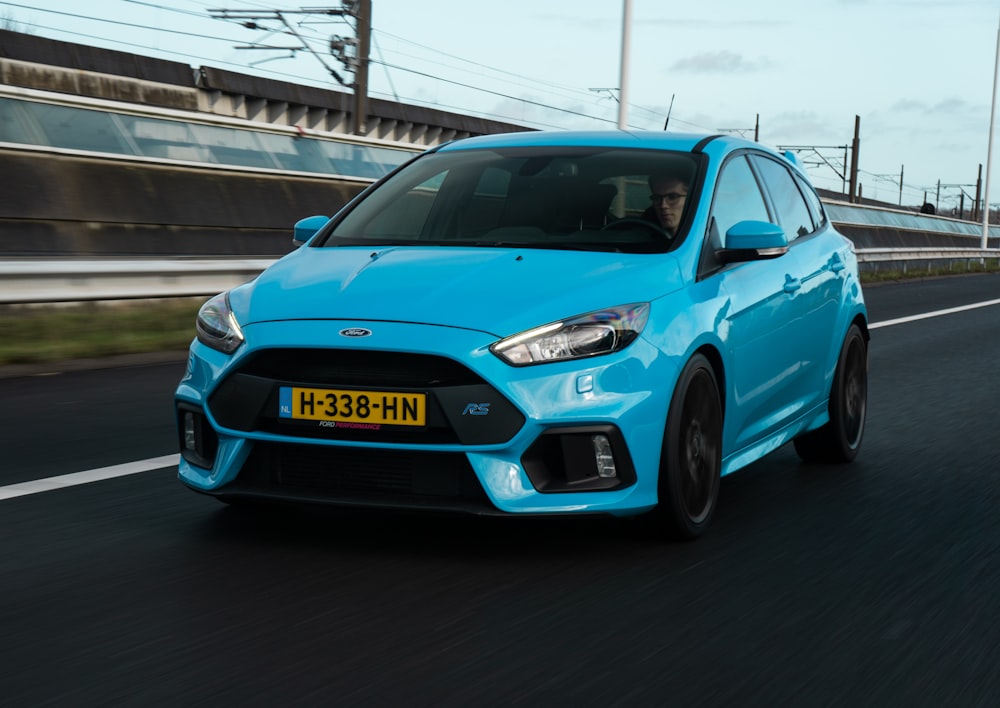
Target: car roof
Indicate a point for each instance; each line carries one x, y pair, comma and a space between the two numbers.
713, 144
659, 140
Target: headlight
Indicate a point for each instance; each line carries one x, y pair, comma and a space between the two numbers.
217, 327
592, 334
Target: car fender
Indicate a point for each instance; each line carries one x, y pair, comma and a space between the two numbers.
684, 323
853, 309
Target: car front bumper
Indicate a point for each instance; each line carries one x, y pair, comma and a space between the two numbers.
580, 436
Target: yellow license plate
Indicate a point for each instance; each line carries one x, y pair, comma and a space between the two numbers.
341, 406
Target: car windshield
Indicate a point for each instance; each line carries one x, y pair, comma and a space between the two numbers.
602, 199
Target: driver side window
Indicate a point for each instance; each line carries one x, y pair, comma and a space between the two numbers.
737, 197
793, 214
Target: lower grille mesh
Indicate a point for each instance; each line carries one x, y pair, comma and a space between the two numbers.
359, 474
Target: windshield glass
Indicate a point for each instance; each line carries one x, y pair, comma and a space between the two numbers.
635, 201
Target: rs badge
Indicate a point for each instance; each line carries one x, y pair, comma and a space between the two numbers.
476, 409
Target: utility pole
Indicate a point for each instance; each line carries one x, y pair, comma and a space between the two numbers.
363, 13
901, 184
961, 197
356, 62
855, 146
979, 184
623, 68
669, 110
843, 177
756, 130
989, 150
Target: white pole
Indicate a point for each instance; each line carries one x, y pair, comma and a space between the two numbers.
623, 78
989, 149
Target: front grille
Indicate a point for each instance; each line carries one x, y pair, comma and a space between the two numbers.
248, 399
351, 367
360, 475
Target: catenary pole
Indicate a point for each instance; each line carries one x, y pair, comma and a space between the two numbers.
623, 78
363, 13
989, 149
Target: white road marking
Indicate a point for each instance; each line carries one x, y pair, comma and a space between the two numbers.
155, 463
71, 480
936, 313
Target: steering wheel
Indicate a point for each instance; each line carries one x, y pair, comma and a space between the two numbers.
632, 222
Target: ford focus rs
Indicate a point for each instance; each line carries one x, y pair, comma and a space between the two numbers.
538, 323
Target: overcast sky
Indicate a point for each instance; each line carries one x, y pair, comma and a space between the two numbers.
919, 73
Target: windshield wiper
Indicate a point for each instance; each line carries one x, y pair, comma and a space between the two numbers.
507, 244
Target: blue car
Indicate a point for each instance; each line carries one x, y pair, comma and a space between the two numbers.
538, 323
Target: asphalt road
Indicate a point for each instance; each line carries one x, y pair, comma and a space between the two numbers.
876, 584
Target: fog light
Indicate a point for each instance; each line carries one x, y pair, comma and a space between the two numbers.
586, 458
197, 441
190, 438
603, 457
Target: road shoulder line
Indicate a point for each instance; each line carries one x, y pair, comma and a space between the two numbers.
76, 478
936, 313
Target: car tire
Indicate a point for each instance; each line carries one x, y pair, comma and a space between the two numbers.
839, 440
691, 456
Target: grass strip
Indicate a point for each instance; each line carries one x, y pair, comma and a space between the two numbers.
43, 334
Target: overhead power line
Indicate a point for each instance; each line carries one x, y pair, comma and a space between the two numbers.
495, 93
352, 52
192, 13
306, 38
250, 19
114, 22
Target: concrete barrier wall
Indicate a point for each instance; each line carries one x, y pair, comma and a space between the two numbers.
63, 67
891, 237
64, 205
53, 52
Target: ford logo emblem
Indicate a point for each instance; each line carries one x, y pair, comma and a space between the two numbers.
355, 332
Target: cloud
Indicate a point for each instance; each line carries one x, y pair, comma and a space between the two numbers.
909, 105
714, 23
950, 106
799, 126
720, 62
947, 107
648, 19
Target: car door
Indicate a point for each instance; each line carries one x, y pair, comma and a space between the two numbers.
819, 277
764, 325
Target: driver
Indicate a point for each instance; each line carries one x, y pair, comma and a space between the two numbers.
667, 197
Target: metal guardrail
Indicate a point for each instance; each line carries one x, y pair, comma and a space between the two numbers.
40, 281
911, 259
45, 281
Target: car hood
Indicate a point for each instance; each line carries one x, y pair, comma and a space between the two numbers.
500, 291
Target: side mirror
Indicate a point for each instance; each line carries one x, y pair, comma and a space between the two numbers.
753, 241
306, 228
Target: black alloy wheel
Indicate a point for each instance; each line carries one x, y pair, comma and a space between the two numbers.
691, 457
839, 440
